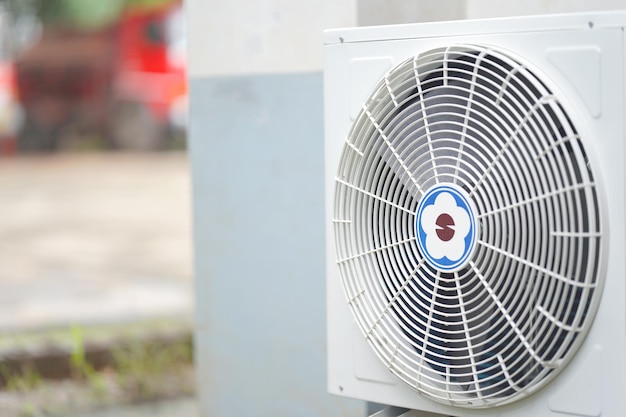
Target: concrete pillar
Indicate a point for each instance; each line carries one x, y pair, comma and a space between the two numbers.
256, 145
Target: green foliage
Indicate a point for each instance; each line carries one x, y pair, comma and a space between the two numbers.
78, 358
81, 366
90, 14
84, 14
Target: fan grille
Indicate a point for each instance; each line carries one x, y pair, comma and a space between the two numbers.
501, 324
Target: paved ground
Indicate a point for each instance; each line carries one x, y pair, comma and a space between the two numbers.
185, 407
94, 238
99, 238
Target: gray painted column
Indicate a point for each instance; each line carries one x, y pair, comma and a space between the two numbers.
256, 144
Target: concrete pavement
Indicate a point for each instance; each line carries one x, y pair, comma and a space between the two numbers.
184, 407
94, 238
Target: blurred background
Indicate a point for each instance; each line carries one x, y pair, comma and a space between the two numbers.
87, 74
95, 236
98, 302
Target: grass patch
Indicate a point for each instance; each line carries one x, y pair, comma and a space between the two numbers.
103, 366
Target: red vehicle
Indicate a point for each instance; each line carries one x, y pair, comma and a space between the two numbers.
115, 86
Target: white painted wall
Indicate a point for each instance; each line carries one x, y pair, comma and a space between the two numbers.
499, 8
261, 36
384, 12
283, 36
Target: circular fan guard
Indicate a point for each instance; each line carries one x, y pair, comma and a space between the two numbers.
503, 324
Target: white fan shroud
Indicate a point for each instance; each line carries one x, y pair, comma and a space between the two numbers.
504, 323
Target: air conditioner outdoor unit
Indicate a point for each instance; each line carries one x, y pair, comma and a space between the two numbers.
475, 211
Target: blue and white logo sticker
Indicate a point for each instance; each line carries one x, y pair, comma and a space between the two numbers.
445, 226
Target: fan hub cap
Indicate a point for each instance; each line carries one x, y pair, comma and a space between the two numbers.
445, 225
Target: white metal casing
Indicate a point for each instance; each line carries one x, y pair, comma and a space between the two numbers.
582, 56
